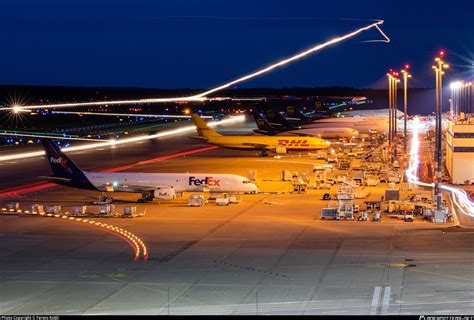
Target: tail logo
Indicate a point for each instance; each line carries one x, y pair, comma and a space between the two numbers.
59, 160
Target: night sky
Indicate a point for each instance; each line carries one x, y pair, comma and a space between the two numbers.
169, 44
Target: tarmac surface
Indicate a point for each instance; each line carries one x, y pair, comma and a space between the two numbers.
269, 254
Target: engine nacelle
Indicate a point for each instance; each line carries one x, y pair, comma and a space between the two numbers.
165, 194
280, 150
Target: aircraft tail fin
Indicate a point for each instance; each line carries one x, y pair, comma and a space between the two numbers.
293, 112
263, 125
65, 171
320, 112
61, 165
274, 116
202, 128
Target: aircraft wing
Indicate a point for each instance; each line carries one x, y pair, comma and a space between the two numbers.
54, 179
260, 146
200, 138
135, 188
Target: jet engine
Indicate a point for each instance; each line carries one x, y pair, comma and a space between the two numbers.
280, 150
165, 194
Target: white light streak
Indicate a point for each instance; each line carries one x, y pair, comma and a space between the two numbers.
173, 116
122, 141
203, 96
456, 84
459, 196
294, 58
32, 135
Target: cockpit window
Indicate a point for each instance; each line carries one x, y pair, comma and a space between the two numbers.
246, 181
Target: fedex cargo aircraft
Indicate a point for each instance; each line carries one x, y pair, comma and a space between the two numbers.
165, 186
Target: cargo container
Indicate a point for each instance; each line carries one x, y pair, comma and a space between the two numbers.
330, 214
79, 210
129, 211
107, 209
54, 209
196, 200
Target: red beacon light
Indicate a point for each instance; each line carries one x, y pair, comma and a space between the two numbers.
441, 52
407, 66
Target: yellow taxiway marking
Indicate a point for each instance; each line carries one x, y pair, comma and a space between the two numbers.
398, 265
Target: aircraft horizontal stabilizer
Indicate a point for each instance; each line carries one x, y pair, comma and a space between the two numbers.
200, 138
257, 145
53, 179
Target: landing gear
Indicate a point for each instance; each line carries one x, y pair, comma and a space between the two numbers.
105, 199
264, 153
146, 196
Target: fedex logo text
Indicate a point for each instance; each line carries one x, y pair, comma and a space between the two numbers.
59, 160
209, 181
293, 143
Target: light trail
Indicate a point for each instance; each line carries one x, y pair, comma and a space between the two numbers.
295, 57
203, 96
47, 136
460, 197
173, 116
185, 129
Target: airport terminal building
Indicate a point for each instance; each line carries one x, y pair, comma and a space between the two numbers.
460, 150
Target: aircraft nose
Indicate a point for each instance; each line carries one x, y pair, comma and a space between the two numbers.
253, 188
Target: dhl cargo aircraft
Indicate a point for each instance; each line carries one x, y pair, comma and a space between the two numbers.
277, 144
164, 186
